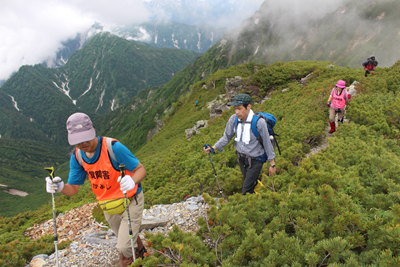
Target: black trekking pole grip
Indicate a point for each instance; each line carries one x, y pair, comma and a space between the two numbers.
212, 149
122, 169
51, 171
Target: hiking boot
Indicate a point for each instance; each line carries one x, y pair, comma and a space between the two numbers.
333, 127
140, 250
140, 253
125, 262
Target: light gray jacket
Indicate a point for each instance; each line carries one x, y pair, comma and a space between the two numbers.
253, 148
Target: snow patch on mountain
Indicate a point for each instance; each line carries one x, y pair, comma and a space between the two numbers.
101, 100
15, 102
90, 87
65, 89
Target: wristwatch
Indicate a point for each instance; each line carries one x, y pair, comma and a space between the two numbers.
273, 166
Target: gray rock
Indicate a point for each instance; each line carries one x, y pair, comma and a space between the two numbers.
304, 80
41, 256
217, 107
192, 207
95, 239
351, 89
232, 87
195, 129
195, 199
153, 223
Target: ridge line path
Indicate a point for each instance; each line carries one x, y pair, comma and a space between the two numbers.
324, 143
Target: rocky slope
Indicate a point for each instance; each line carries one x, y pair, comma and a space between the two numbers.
93, 243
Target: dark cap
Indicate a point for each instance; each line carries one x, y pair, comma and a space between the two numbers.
241, 99
80, 129
373, 57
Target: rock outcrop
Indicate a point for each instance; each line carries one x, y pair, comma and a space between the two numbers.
232, 87
93, 244
195, 129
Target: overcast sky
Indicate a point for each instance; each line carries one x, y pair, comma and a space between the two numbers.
31, 31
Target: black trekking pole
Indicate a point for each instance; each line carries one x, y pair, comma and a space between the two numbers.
51, 171
216, 176
122, 168
276, 142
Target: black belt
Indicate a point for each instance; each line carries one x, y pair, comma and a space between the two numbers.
241, 155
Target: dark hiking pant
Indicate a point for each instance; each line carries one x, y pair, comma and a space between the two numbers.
250, 174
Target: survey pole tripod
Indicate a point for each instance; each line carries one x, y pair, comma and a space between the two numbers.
122, 169
51, 171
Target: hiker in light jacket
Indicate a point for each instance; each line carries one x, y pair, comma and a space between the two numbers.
339, 97
369, 65
251, 155
92, 158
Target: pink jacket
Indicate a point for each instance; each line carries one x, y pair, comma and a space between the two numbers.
339, 101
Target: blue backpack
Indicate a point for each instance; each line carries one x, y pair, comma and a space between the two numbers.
270, 120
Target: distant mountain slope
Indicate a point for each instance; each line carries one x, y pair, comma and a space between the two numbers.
109, 70
346, 37
14, 124
22, 168
41, 105
158, 34
106, 73
170, 34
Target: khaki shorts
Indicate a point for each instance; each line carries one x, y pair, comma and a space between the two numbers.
119, 224
332, 114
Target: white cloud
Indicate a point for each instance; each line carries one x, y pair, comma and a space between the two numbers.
31, 31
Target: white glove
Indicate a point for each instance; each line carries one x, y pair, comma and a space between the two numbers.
54, 186
126, 183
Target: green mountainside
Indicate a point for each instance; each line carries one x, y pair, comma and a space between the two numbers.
21, 164
109, 70
14, 124
104, 74
340, 206
39, 101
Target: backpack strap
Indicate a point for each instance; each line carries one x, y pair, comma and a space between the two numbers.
79, 156
109, 148
254, 125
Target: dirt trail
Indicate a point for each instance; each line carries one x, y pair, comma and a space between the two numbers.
324, 144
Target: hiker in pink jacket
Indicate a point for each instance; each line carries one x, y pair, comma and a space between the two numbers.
339, 98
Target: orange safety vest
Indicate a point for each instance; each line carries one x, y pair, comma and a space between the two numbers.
103, 176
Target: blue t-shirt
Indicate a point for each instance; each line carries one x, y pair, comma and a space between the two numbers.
77, 173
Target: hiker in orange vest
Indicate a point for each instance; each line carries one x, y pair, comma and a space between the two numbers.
98, 158
339, 98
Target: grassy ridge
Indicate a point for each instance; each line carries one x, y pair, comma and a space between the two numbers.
340, 206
